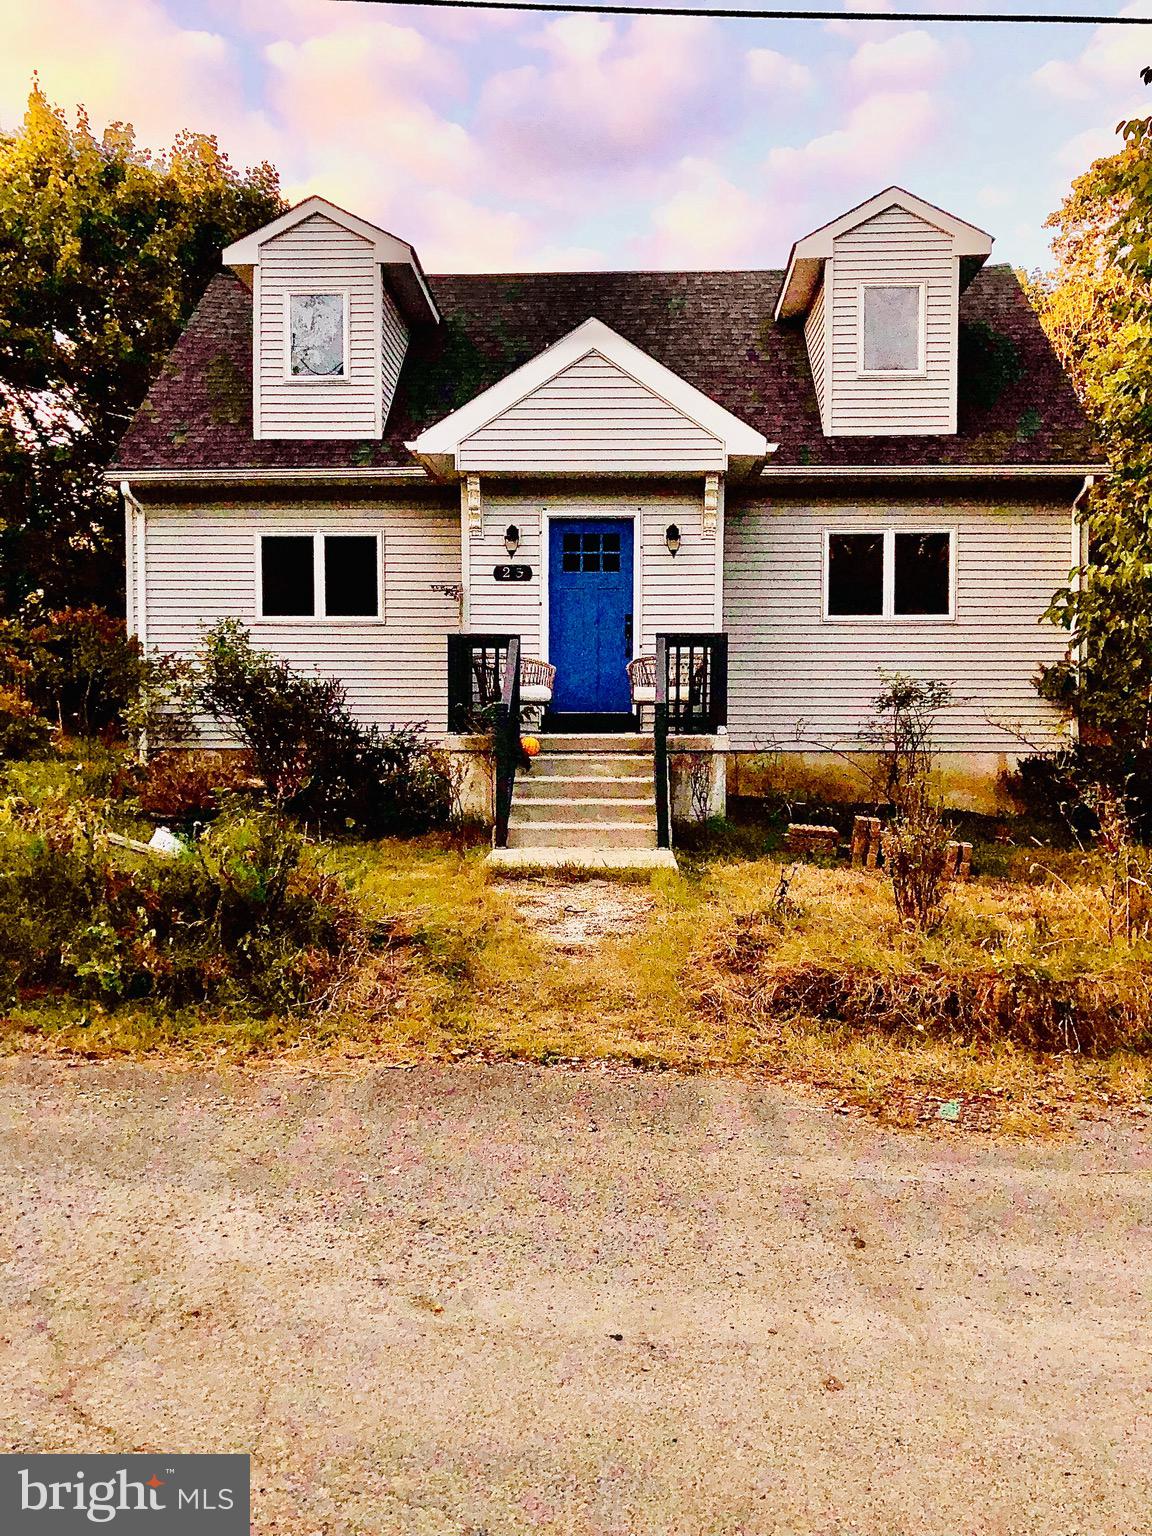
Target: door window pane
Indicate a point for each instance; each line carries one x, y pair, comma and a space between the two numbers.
351, 576
855, 574
316, 335
891, 329
923, 581
287, 577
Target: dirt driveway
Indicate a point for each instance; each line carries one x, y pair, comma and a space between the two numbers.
489, 1301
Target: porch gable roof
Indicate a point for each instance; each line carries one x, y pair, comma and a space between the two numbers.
598, 398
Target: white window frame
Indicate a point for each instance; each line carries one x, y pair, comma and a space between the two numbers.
888, 614
317, 378
318, 535
922, 333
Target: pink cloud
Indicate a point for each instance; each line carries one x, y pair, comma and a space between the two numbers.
905, 60
777, 73
879, 135
606, 97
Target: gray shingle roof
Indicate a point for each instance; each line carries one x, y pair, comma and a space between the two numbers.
715, 329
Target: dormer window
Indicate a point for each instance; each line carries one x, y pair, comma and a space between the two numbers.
317, 342
892, 327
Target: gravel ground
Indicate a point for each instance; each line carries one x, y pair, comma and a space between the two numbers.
485, 1301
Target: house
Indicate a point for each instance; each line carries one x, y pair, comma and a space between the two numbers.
784, 483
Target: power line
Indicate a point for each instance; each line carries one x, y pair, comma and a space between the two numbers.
723, 13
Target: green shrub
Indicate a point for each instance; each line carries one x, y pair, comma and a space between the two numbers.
81, 668
23, 732
241, 918
317, 760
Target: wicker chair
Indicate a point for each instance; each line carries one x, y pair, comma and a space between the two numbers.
536, 681
642, 680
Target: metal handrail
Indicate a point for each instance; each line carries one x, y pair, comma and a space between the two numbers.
507, 741
660, 746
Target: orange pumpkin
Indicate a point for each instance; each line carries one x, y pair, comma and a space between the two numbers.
529, 746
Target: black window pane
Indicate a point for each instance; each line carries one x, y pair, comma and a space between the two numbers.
287, 577
611, 560
571, 542
592, 541
612, 541
923, 577
591, 560
855, 574
351, 577
571, 561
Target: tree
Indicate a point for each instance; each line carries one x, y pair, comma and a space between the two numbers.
105, 249
1097, 310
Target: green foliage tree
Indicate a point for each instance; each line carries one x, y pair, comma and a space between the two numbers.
105, 248
1097, 310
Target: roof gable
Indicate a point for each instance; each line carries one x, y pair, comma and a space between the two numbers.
614, 393
808, 255
396, 256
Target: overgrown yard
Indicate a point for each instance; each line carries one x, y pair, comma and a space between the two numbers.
1017, 1009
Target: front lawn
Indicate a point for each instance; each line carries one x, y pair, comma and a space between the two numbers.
1018, 1006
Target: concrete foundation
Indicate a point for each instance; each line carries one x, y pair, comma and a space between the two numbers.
967, 781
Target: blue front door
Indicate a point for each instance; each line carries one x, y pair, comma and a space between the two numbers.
590, 615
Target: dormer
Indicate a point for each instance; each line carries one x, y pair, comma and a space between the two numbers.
334, 302
877, 291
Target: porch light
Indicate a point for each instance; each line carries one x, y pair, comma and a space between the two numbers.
672, 538
511, 538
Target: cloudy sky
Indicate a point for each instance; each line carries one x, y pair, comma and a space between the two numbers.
518, 142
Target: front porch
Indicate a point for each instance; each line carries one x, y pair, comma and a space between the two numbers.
603, 799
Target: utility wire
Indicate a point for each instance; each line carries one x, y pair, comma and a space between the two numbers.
723, 13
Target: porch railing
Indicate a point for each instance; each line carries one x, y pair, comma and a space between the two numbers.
691, 700
697, 683
476, 665
507, 740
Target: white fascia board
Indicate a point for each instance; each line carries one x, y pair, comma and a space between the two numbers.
399, 475
816, 248
445, 437
931, 471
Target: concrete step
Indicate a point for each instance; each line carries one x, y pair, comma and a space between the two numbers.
590, 861
606, 765
609, 743
582, 834
607, 814
564, 786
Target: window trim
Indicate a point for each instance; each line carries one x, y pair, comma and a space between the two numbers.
318, 535
921, 369
317, 378
888, 614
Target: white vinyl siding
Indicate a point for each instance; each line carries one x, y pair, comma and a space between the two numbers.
318, 256
814, 325
592, 416
800, 682
675, 592
891, 249
393, 349
202, 567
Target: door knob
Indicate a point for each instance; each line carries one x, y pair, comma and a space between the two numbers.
628, 631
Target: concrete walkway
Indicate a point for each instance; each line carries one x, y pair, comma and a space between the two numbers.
486, 1301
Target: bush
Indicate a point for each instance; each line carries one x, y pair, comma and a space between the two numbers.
317, 760
81, 668
241, 918
181, 788
23, 732
1059, 787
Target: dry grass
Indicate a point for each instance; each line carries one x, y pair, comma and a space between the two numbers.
819, 985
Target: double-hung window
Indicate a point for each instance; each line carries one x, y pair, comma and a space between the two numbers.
890, 574
892, 328
316, 335
320, 576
